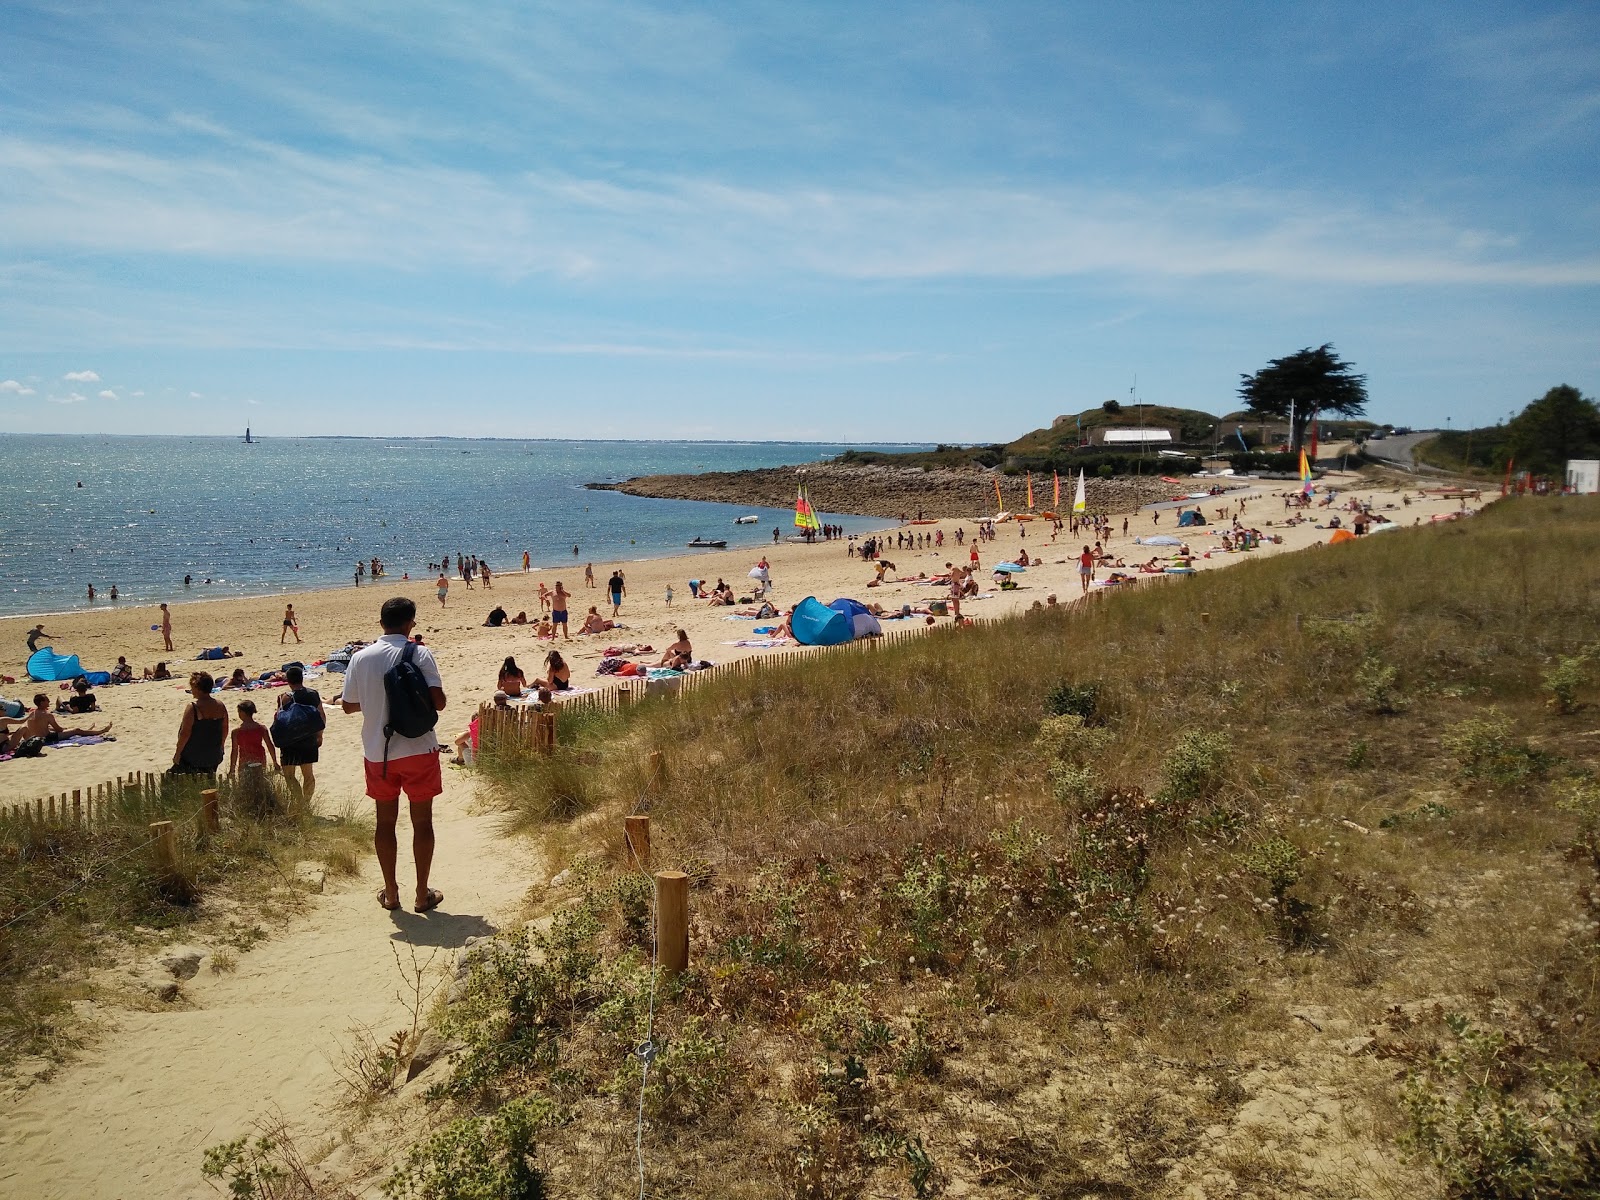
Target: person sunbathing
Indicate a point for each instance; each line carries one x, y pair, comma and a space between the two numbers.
595, 623
511, 680
41, 723
680, 654
159, 672
520, 619
122, 672
236, 681
546, 629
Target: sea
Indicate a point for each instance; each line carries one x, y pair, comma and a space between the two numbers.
293, 514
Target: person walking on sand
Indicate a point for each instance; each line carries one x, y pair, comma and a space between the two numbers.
251, 745
291, 624
37, 634
394, 762
166, 628
588, 575
1086, 569
442, 586
618, 589
558, 614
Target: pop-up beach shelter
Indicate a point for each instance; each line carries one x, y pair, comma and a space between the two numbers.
46, 666
1190, 516
862, 622
815, 624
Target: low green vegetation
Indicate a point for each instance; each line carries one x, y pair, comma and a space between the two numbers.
76, 897
1027, 905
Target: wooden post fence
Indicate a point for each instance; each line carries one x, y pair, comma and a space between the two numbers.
166, 846
210, 821
636, 833
672, 921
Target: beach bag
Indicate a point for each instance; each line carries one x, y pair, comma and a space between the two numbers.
295, 726
411, 711
29, 748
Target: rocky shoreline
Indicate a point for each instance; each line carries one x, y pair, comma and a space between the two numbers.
885, 491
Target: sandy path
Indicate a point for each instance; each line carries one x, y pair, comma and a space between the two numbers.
132, 1118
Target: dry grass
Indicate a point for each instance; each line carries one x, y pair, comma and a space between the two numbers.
939, 947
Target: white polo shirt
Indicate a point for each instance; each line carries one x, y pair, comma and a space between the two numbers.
363, 685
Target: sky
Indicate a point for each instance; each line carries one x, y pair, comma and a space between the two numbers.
888, 221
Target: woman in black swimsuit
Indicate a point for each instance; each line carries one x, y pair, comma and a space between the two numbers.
204, 732
559, 678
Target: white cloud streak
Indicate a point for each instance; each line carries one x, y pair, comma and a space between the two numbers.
81, 377
254, 201
108, 394
11, 387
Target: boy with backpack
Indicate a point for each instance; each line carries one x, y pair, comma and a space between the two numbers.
394, 684
297, 731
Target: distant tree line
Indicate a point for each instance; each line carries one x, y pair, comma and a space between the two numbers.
1562, 424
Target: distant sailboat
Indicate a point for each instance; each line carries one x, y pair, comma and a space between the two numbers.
248, 440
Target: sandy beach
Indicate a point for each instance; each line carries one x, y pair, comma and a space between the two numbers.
145, 715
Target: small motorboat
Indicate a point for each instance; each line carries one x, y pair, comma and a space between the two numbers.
750, 520
701, 543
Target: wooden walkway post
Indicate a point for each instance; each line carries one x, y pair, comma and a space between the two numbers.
672, 921
658, 771
166, 846
636, 832
210, 821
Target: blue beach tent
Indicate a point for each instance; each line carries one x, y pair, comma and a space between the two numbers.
816, 624
862, 622
1191, 517
47, 666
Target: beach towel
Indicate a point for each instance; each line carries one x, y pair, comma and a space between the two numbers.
85, 740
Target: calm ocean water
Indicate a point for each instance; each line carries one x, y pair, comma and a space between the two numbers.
288, 514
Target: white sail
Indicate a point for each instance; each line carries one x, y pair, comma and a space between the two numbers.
1080, 502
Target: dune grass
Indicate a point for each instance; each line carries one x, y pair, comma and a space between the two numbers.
1087, 902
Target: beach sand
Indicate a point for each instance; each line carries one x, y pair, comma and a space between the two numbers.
145, 716
131, 1116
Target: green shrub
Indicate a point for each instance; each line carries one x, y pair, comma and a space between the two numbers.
1564, 680
1196, 768
1376, 679
1075, 749
1487, 750
477, 1158
1075, 699
1496, 1127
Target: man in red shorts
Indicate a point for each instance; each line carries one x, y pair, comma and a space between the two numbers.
409, 764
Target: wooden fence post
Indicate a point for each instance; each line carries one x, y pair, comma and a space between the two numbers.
166, 846
77, 806
210, 821
672, 921
658, 771
636, 832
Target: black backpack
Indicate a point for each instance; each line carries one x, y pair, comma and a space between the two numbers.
295, 726
411, 711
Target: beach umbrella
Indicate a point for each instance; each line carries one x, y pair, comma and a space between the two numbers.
1009, 568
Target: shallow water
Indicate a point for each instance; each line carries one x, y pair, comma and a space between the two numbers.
287, 514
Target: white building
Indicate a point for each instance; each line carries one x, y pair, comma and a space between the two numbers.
1583, 475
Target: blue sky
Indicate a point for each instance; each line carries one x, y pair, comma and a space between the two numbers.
913, 221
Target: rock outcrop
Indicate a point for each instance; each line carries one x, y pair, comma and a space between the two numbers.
886, 491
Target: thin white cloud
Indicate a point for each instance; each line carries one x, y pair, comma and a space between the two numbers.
81, 377
136, 395
196, 396
259, 200
108, 394
13, 388
69, 398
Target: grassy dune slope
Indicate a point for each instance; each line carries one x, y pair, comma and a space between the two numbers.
1273, 881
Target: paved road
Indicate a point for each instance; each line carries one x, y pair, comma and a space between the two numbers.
1398, 450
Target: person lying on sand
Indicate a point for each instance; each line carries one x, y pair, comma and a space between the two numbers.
236, 681
41, 723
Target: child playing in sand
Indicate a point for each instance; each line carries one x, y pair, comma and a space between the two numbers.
251, 745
